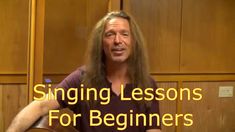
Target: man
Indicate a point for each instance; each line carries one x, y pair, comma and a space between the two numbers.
116, 56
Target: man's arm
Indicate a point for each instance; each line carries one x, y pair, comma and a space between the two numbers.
153, 130
31, 113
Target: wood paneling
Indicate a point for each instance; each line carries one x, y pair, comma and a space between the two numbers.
14, 27
67, 27
114, 5
13, 78
36, 43
194, 77
191, 36
167, 106
13, 98
159, 21
1, 109
14, 35
211, 114
208, 42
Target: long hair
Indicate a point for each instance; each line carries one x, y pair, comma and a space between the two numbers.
95, 58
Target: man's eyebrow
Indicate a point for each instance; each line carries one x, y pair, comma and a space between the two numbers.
108, 31
124, 31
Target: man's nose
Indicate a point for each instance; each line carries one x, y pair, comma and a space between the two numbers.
117, 39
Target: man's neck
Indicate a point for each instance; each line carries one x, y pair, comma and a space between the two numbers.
117, 72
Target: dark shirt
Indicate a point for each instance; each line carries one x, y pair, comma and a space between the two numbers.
115, 107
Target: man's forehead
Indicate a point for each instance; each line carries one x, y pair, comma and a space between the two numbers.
117, 22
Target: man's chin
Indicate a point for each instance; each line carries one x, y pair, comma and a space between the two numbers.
119, 60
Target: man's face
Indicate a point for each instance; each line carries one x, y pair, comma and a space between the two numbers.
117, 43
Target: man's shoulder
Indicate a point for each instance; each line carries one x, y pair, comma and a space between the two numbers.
153, 82
80, 70
73, 79
76, 74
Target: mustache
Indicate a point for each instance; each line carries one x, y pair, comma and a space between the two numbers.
118, 48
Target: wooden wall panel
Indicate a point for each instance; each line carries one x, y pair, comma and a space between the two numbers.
14, 35
1, 109
167, 106
13, 98
67, 27
211, 114
208, 42
160, 22
114, 5
14, 26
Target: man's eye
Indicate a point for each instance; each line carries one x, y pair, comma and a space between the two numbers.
108, 34
125, 34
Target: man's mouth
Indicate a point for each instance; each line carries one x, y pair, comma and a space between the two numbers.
118, 51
